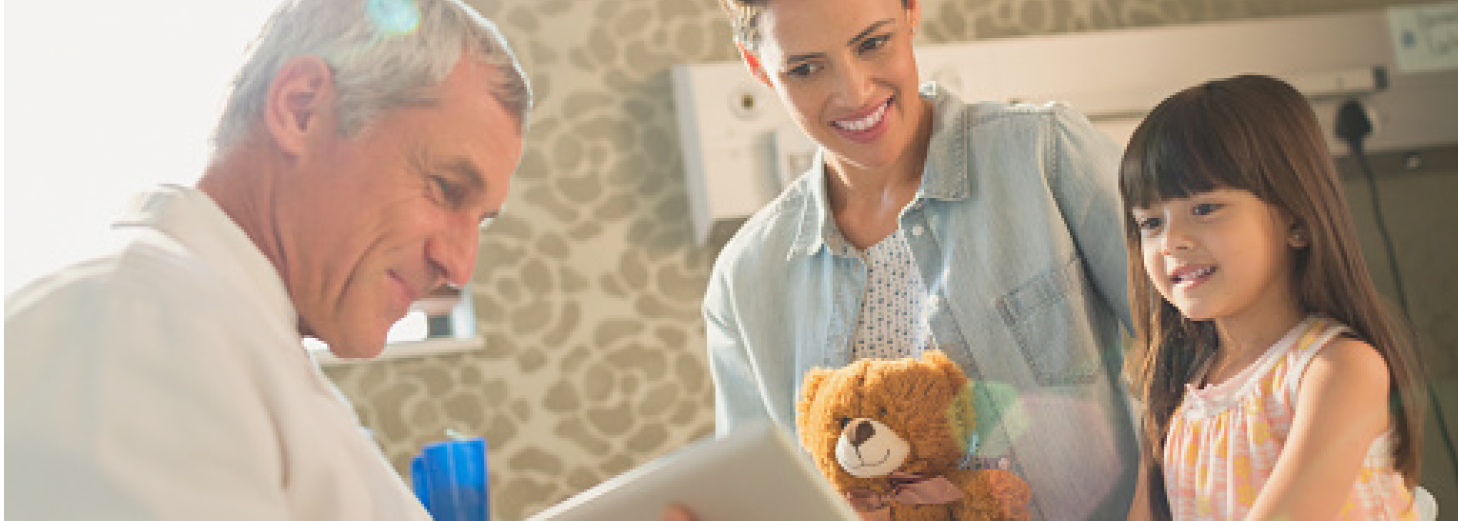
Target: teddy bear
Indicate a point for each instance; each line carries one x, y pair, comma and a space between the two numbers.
895, 436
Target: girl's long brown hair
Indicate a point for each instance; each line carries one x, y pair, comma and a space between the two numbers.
1258, 134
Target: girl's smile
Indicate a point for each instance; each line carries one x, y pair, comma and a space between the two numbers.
1191, 275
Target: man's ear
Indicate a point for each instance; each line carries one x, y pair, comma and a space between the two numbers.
752, 62
299, 100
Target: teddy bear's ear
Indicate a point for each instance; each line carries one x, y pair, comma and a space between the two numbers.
945, 364
809, 389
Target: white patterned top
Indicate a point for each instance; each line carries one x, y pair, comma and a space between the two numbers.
892, 322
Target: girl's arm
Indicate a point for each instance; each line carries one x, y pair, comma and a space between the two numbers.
1341, 408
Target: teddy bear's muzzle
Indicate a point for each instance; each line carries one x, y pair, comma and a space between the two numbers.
868, 448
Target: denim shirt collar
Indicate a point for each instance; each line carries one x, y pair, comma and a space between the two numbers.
943, 177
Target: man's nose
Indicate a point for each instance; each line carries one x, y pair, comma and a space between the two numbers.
453, 252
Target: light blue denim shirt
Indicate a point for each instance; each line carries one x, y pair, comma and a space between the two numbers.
1017, 233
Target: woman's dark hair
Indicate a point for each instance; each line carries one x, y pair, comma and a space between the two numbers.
744, 20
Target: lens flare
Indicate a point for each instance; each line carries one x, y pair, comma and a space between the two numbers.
394, 16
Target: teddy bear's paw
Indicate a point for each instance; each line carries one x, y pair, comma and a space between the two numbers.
999, 495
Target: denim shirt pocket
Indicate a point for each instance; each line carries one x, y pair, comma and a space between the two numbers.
1048, 316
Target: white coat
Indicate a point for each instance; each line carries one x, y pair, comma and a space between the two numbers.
165, 380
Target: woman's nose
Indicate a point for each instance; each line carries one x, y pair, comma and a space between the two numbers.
855, 86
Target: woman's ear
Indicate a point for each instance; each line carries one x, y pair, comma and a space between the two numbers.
299, 99
913, 15
751, 61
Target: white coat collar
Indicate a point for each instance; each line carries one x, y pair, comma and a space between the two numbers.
191, 218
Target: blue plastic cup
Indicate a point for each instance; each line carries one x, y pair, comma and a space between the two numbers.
449, 477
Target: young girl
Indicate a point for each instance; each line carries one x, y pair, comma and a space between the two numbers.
1274, 383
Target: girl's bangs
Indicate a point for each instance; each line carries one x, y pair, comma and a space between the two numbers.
1174, 154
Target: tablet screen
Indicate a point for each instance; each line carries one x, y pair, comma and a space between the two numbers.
755, 472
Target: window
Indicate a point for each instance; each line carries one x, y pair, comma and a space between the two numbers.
442, 322
104, 104
105, 99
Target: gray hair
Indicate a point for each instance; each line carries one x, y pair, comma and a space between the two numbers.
384, 54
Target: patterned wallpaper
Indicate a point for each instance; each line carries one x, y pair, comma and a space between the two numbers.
588, 287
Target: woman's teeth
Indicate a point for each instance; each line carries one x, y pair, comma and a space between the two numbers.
1195, 275
858, 125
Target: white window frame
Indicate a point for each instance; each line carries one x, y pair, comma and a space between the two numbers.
454, 317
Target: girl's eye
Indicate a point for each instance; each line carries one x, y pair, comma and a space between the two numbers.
871, 44
1148, 223
1206, 208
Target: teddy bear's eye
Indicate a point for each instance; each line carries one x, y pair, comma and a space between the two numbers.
883, 412
842, 421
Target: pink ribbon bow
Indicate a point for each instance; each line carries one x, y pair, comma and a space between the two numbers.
907, 489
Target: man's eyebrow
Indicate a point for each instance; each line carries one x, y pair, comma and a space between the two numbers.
468, 170
474, 181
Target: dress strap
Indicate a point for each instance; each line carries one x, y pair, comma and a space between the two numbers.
1213, 398
1307, 347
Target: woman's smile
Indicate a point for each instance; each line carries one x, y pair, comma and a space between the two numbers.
864, 127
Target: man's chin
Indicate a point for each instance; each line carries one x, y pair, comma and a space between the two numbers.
359, 347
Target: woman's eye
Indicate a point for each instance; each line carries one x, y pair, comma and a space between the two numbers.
871, 44
803, 70
1206, 208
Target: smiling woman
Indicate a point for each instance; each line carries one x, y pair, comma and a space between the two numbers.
106, 99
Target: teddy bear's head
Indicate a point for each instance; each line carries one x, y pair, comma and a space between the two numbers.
874, 417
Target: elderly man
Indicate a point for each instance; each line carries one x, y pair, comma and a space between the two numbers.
360, 149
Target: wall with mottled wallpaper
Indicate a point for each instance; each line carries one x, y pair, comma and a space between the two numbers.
588, 288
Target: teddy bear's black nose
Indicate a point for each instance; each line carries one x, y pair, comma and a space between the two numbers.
864, 431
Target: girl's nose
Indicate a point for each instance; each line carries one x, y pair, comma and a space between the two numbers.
1176, 240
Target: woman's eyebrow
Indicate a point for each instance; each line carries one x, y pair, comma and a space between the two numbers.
867, 31
850, 43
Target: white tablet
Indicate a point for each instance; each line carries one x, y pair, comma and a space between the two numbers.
756, 472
